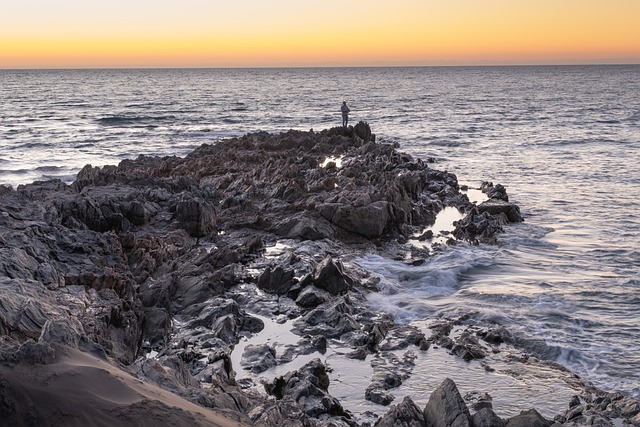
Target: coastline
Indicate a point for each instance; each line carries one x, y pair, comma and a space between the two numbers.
161, 266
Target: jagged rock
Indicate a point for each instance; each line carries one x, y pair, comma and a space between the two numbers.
62, 331
280, 413
23, 307
485, 417
369, 221
277, 280
446, 408
627, 406
467, 347
530, 418
305, 228
311, 296
496, 207
478, 227
34, 353
478, 401
258, 358
497, 335
330, 276
400, 337
331, 320
196, 216
308, 386
389, 371
405, 414
494, 192
160, 257
363, 131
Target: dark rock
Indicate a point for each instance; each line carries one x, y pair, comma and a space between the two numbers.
402, 336
627, 406
331, 320
62, 331
467, 347
485, 417
258, 358
530, 418
478, 227
320, 344
277, 280
363, 131
405, 414
494, 192
358, 354
446, 408
157, 322
379, 396
196, 216
478, 401
35, 353
280, 413
330, 276
496, 207
311, 296
575, 401
389, 372
126, 261
497, 335
369, 221
226, 328
308, 386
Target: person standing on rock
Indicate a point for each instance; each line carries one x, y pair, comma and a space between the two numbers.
345, 114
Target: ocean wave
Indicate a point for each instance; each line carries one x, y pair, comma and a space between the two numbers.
410, 292
15, 171
144, 121
48, 168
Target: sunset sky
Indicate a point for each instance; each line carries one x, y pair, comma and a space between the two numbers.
264, 33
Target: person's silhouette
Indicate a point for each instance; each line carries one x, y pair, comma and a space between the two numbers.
345, 114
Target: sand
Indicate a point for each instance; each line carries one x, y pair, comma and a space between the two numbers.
79, 389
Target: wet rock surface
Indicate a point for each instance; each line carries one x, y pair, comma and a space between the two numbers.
161, 267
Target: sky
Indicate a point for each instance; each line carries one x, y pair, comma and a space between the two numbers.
309, 33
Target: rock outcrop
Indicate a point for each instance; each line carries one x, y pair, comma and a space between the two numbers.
155, 269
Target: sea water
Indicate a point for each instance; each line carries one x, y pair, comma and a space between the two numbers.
564, 140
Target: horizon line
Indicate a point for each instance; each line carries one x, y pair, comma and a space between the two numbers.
266, 67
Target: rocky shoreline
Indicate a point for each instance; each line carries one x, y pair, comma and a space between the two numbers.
126, 297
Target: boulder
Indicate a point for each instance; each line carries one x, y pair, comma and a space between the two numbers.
195, 216
363, 130
308, 386
331, 320
311, 297
530, 418
485, 417
258, 358
496, 207
405, 414
446, 408
329, 276
369, 221
494, 192
467, 347
276, 280
67, 331
478, 227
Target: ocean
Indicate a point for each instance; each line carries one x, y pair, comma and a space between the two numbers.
564, 140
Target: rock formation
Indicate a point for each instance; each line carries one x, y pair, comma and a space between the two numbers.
144, 277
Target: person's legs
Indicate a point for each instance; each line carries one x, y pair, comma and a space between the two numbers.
345, 120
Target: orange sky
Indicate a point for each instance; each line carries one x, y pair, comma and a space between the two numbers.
262, 33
